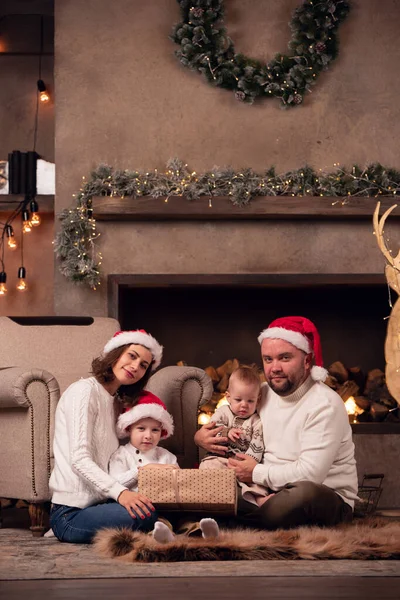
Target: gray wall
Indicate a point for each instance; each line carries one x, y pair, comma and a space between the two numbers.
136, 107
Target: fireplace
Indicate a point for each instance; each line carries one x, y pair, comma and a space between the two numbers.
206, 319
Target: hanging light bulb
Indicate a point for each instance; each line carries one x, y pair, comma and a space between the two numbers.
43, 93
26, 223
3, 287
11, 241
21, 285
35, 218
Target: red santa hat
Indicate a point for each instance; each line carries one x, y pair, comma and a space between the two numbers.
138, 336
301, 333
149, 407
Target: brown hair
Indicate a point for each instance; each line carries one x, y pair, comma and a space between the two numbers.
248, 374
102, 370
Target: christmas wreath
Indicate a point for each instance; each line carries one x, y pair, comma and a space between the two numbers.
206, 47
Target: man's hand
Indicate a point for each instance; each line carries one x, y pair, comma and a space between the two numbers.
133, 501
235, 434
207, 437
243, 465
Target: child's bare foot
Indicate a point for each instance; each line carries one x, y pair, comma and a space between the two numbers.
262, 499
162, 533
209, 528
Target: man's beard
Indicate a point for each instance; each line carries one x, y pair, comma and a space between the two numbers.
287, 386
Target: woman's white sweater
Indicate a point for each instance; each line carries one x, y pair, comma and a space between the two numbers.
84, 440
307, 437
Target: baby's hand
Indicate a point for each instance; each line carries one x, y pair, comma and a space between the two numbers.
235, 434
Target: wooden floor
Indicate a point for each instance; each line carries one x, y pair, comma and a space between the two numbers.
221, 588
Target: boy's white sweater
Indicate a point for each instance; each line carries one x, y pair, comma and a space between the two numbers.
84, 440
307, 437
126, 461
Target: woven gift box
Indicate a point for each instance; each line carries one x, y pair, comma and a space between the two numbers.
208, 490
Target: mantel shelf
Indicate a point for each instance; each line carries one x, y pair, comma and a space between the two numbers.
114, 208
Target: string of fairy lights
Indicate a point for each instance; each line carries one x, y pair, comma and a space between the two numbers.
22, 169
9, 240
75, 244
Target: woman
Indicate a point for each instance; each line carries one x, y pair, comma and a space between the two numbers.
85, 497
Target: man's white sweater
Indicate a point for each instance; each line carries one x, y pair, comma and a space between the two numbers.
307, 437
84, 440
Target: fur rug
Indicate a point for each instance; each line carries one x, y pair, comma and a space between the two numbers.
373, 539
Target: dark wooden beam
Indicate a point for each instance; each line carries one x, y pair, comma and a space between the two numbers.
9, 202
113, 208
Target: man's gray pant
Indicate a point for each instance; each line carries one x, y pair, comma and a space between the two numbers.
301, 503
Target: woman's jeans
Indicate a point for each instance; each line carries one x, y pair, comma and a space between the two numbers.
80, 525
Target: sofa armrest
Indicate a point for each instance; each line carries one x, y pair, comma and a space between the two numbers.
183, 390
15, 381
28, 400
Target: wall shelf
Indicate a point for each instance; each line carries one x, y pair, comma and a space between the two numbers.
113, 208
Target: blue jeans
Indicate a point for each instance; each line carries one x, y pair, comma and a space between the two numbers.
80, 525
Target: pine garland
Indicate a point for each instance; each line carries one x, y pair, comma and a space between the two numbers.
205, 47
75, 242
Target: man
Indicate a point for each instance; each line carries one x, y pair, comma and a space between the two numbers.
308, 463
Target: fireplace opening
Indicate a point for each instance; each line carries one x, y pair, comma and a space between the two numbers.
205, 324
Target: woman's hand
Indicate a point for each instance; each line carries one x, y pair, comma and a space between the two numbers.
208, 438
158, 466
135, 501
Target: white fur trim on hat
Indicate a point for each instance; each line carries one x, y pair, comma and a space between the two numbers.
293, 337
137, 337
145, 411
318, 373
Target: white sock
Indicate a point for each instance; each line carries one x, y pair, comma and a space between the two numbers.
49, 534
209, 528
162, 533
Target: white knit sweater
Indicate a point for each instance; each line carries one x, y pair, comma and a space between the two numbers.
307, 437
125, 462
84, 440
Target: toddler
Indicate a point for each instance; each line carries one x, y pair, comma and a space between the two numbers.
145, 424
242, 426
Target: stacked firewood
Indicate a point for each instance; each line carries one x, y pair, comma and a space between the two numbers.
369, 390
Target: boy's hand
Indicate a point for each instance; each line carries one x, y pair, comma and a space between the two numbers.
235, 434
133, 501
158, 466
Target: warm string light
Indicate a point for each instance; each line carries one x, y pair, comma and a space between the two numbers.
3, 280
75, 245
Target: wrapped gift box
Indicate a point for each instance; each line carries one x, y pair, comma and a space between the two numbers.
211, 491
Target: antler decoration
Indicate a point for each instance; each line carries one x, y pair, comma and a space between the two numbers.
392, 273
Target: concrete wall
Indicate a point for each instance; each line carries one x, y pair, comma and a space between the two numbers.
123, 99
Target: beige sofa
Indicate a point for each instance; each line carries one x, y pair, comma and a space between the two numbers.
37, 362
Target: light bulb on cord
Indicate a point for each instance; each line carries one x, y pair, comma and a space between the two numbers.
26, 223
21, 285
35, 218
3, 287
11, 241
43, 93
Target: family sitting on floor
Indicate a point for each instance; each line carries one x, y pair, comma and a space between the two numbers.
289, 440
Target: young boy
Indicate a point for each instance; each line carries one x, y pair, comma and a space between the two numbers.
242, 426
145, 424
